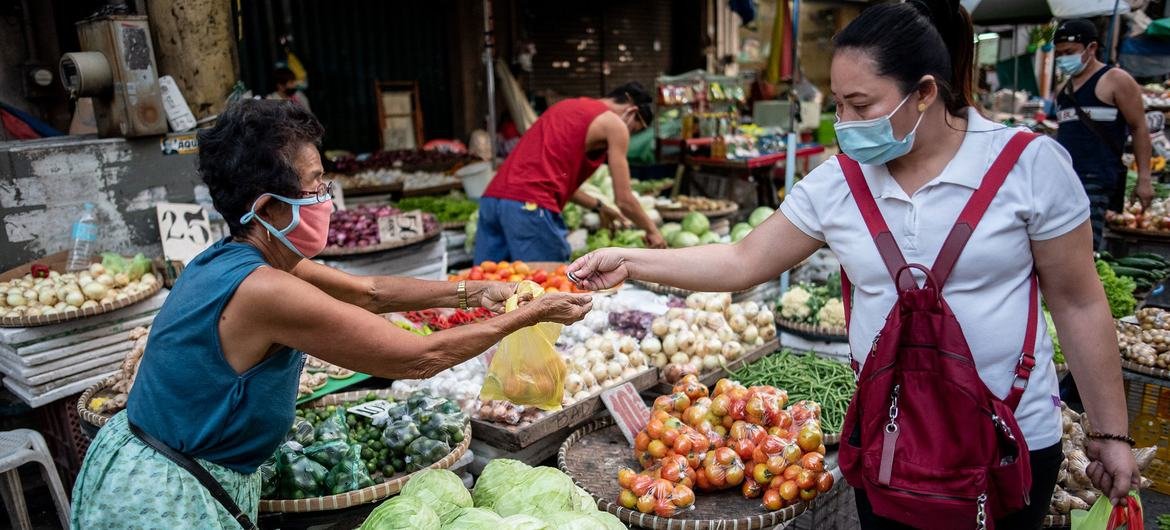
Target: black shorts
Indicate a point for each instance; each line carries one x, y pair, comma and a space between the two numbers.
1045, 466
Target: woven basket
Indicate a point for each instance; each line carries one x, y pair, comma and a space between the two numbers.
89, 416
44, 320
365, 495
1143, 369
694, 519
809, 331
332, 252
1057, 521
678, 215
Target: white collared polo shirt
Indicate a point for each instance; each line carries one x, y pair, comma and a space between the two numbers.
1041, 199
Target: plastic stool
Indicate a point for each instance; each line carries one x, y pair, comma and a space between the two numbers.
19, 447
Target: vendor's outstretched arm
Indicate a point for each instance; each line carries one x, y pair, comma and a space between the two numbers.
385, 294
772, 248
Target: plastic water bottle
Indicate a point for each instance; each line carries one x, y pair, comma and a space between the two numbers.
85, 235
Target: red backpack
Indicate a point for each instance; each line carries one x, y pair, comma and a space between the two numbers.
925, 439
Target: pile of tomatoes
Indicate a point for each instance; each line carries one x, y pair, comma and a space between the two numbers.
516, 271
742, 437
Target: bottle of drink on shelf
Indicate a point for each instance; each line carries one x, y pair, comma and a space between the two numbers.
84, 234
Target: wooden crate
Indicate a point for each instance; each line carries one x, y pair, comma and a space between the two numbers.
1148, 401
515, 438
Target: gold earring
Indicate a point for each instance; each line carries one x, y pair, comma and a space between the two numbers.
269, 234
921, 107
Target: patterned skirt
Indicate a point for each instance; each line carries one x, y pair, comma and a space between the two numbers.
126, 484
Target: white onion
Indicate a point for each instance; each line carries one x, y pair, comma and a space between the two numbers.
732, 350
579, 396
148, 279
638, 359
627, 345
600, 371
573, 383
94, 290
680, 358
97, 269
750, 333
738, 323
725, 335
674, 313
75, 298
670, 344
89, 304
659, 360
589, 379
651, 345
710, 362
676, 326
768, 332
686, 341
765, 317
750, 309
696, 300
614, 370
714, 305
716, 321
106, 280
659, 327
714, 346
15, 300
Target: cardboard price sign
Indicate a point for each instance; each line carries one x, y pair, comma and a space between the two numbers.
627, 409
370, 409
184, 230
401, 227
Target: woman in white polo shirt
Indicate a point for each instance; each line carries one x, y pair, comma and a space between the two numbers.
900, 76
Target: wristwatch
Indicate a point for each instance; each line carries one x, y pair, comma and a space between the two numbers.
597, 206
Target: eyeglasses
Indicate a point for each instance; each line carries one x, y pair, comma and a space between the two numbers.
323, 191
637, 112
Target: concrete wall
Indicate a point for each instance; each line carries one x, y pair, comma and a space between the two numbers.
44, 183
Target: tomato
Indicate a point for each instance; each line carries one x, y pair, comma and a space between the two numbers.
728, 421
789, 491
671, 473
792, 454
735, 476
521, 267
720, 404
684, 496
791, 472
669, 436
822, 450
625, 477
641, 441
683, 445
540, 276
641, 485
516, 278
806, 480
475, 275
665, 508
824, 482
627, 499
656, 449
761, 474
808, 495
784, 420
724, 456
743, 448
551, 290
721, 431
701, 479
645, 459
814, 462
655, 428
809, 438
751, 489
776, 464
489, 266
646, 503
773, 500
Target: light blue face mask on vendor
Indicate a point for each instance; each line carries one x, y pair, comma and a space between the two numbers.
872, 142
308, 232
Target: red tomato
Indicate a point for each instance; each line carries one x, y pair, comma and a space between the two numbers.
641, 441
627, 499
761, 474
641, 485
806, 480
772, 500
665, 508
824, 482
684, 496
814, 462
625, 477
751, 489
646, 503
475, 275
540, 276
776, 464
735, 476
808, 495
789, 491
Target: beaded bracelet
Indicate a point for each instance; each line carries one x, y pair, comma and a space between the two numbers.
1114, 437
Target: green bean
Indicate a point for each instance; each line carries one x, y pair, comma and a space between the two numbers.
805, 377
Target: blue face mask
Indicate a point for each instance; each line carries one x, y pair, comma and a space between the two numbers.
1070, 64
872, 142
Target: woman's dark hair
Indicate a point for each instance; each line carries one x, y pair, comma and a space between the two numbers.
250, 152
917, 38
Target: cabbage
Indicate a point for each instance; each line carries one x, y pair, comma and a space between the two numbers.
539, 491
740, 231
474, 519
524, 522
440, 489
708, 237
402, 513
759, 215
684, 239
669, 228
584, 521
696, 223
583, 501
496, 479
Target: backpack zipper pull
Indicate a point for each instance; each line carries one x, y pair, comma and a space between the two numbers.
889, 441
981, 517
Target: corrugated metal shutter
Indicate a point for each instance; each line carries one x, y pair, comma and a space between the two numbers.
347, 45
587, 48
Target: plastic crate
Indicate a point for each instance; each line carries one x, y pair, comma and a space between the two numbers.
59, 423
1149, 424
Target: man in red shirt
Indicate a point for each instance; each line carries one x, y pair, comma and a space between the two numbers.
520, 212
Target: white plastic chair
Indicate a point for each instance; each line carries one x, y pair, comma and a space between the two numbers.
19, 447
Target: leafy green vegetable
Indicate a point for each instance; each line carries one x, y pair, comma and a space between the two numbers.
470, 230
540, 490
402, 513
1057, 354
604, 238
497, 478
440, 489
572, 215
740, 231
669, 229
524, 522
696, 223
759, 215
1118, 290
683, 238
452, 208
475, 519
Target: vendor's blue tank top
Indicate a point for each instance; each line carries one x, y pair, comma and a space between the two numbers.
1091, 155
188, 396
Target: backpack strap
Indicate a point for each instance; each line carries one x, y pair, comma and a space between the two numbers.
847, 301
1028, 351
880, 232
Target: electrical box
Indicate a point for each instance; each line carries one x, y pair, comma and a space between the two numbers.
116, 68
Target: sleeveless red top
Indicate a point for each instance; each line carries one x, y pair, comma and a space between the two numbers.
550, 162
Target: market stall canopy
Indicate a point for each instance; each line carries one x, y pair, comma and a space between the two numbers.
992, 12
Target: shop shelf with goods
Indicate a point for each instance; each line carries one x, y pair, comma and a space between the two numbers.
398, 173
692, 105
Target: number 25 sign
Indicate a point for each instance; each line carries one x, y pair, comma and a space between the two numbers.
184, 230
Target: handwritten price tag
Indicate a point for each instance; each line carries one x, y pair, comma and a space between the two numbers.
400, 227
627, 409
184, 229
370, 409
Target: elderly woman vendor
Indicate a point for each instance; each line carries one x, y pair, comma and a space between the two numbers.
217, 386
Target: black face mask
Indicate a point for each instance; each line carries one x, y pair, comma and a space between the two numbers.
290, 92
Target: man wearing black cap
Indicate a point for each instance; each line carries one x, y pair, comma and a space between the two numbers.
1098, 107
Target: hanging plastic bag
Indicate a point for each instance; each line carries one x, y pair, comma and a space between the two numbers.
327, 453
334, 427
302, 432
300, 477
1105, 516
349, 474
526, 369
269, 476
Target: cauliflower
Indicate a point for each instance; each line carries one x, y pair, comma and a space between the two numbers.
832, 314
794, 304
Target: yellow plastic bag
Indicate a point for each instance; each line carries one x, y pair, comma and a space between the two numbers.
527, 370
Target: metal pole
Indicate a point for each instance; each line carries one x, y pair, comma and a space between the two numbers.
1015, 68
790, 159
488, 61
1111, 41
